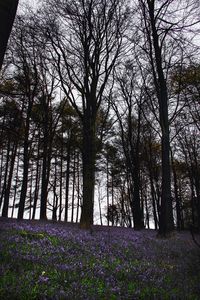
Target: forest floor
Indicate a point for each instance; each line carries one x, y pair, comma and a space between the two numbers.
46, 260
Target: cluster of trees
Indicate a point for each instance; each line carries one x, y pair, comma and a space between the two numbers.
100, 108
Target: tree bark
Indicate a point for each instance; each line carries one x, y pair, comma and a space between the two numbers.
89, 159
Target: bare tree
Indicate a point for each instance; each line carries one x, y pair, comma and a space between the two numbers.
87, 39
128, 108
163, 23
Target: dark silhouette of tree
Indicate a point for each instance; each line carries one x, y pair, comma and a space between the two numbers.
185, 81
86, 51
27, 79
74, 102
11, 126
161, 33
127, 107
8, 10
151, 164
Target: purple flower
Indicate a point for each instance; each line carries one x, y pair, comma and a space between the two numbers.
43, 278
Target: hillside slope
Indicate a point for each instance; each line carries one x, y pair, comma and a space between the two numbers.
46, 260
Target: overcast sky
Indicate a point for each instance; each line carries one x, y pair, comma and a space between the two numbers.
29, 2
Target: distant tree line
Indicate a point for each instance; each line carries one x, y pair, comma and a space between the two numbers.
99, 113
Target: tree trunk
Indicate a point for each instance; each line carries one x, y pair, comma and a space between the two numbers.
78, 188
146, 207
31, 193
166, 218
44, 185
107, 187
15, 186
46, 164
67, 182
192, 200
100, 210
1, 169
8, 186
37, 181
8, 10
55, 196
5, 174
112, 195
25, 177
61, 175
197, 202
73, 187
138, 219
133, 165
151, 179
25, 162
153, 196
89, 159
166, 213
177, 198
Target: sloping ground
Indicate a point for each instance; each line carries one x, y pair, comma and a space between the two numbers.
46, 260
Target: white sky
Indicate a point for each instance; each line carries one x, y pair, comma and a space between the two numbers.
32, 3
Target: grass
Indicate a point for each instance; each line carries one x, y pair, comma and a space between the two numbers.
59, 261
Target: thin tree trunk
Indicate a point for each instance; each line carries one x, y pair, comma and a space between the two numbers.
46, 164
73, 187
177, 198
129, 198
137, 208
15, 186
180, 195
37, 181
25, 166
67, 182
154, 203
61, 175
60, 206
78, 188
1, 169
153, 194
55, 196
5, 176
44, 184
107, 187
30, 193
8, 186
146, 207
112, 195
192, 199
100, 213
